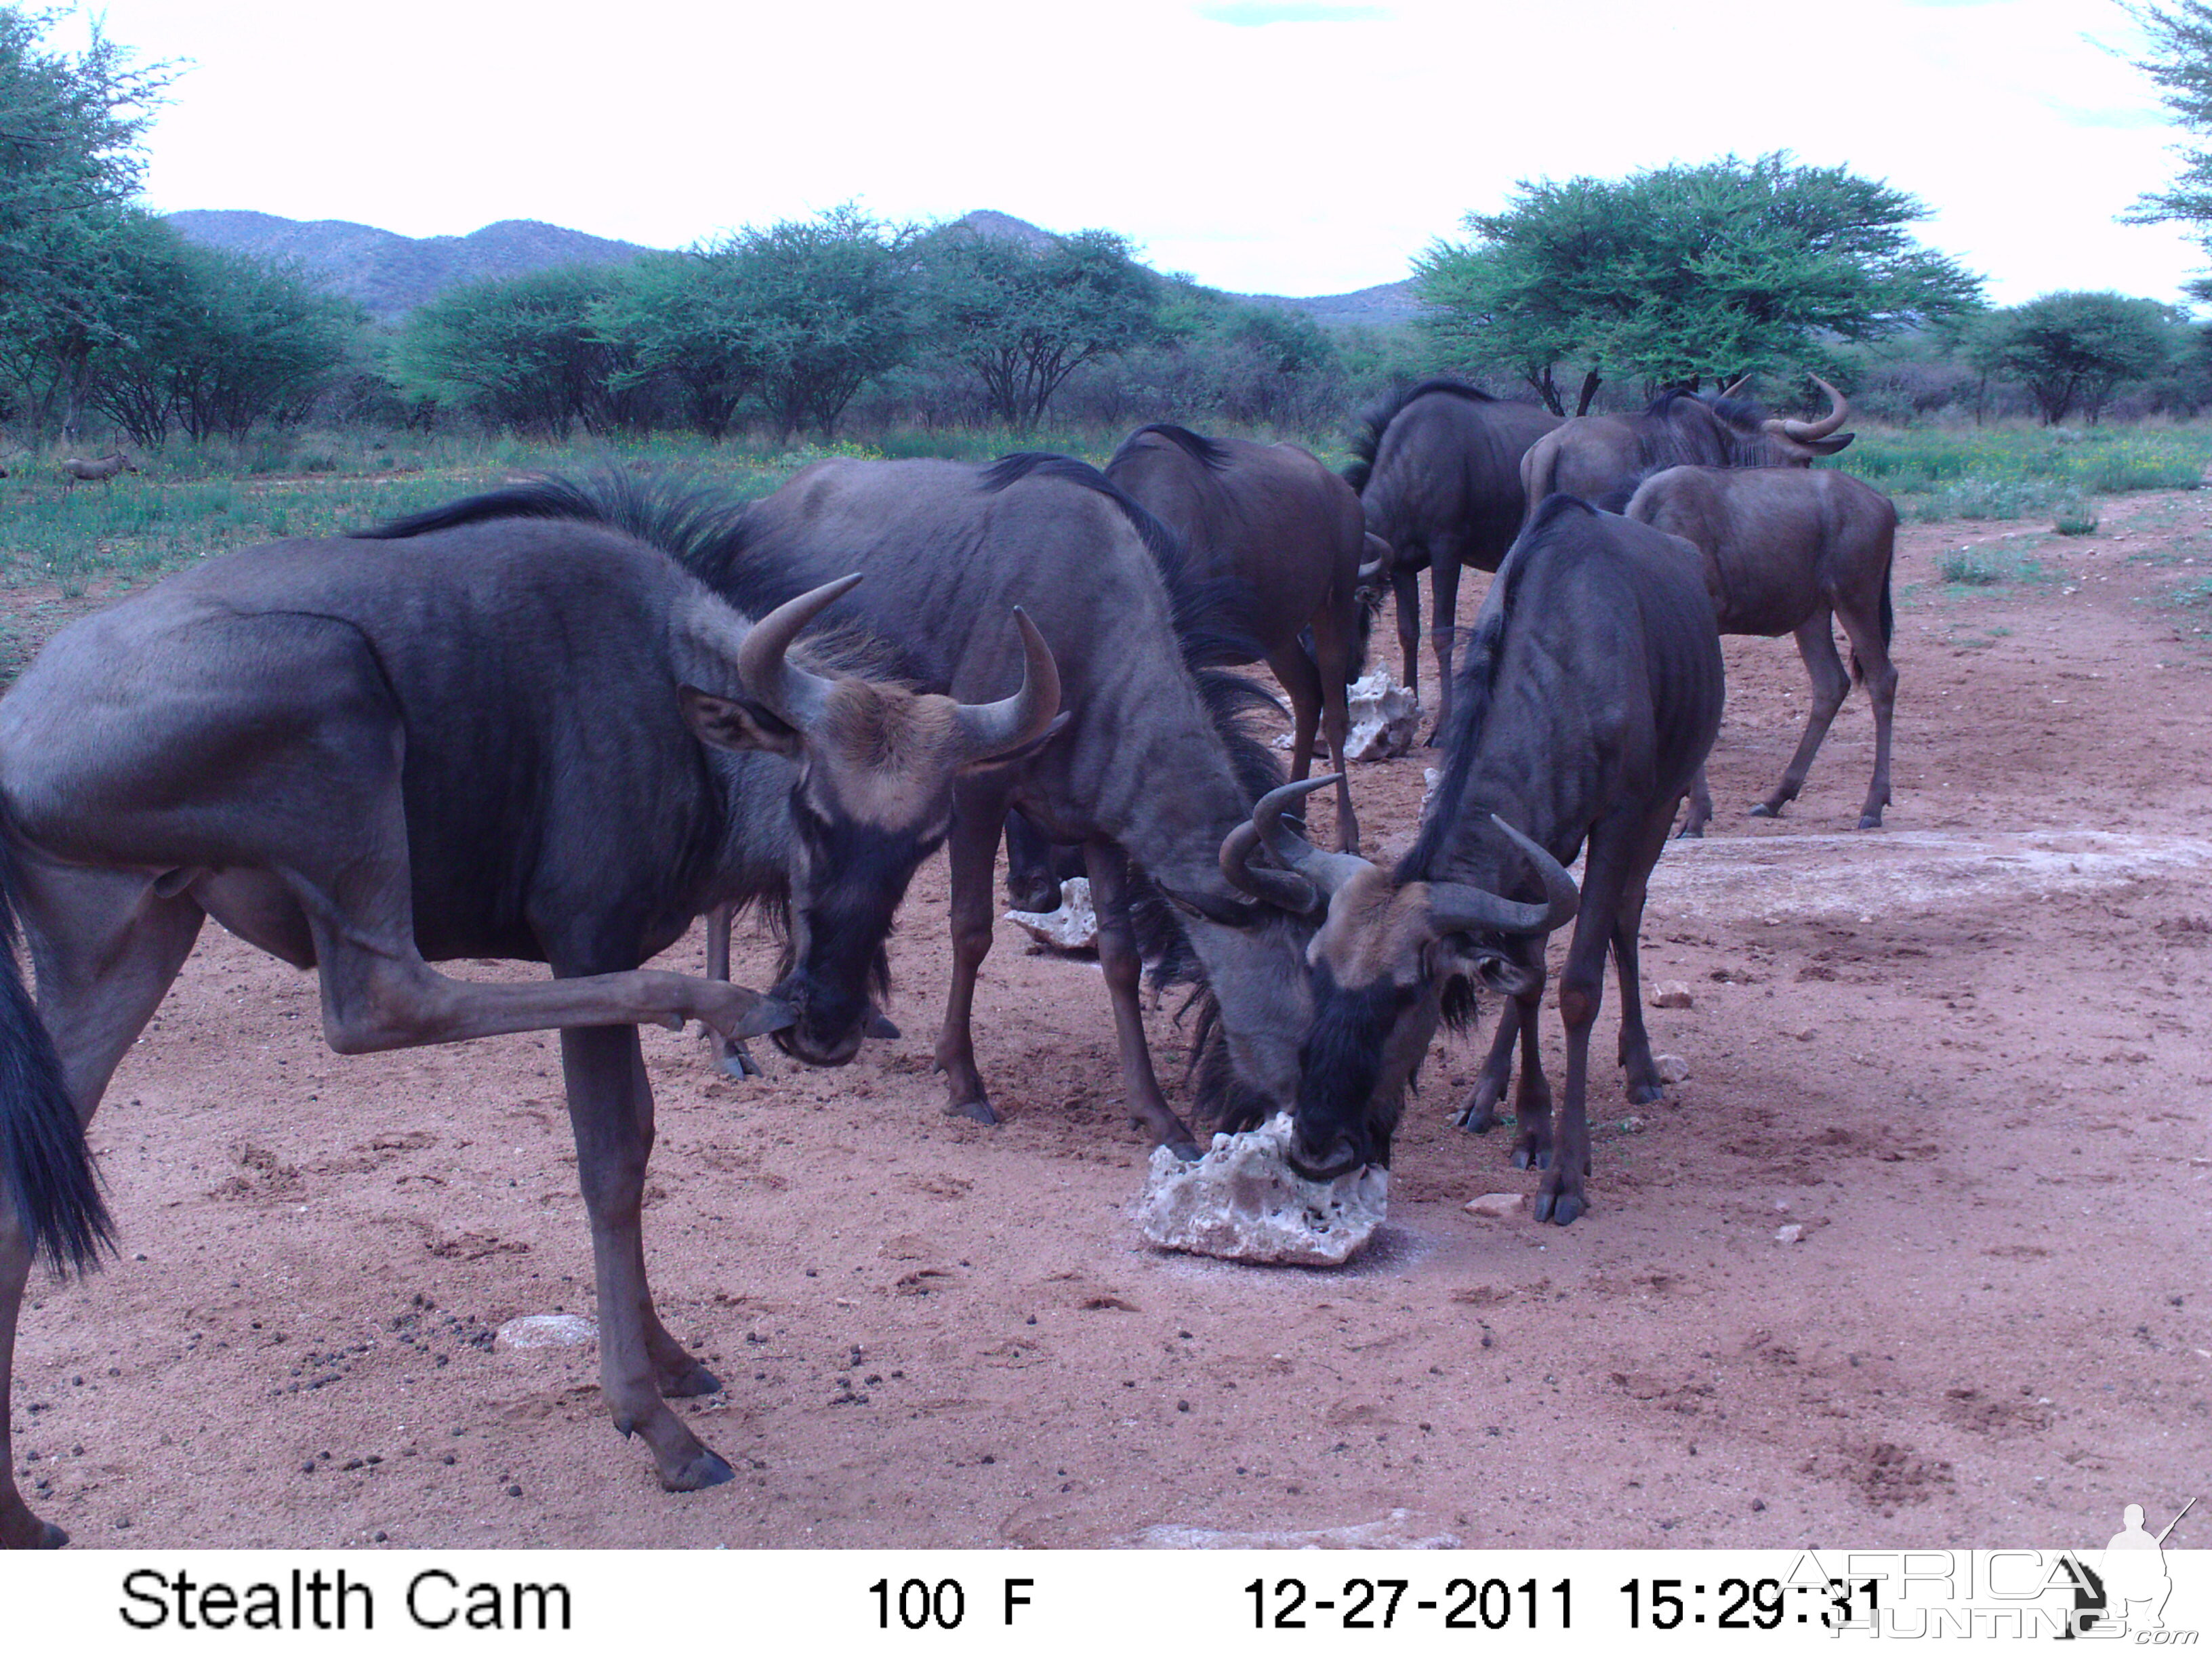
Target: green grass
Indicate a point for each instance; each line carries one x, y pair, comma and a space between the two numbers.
1971, 568
2019, 472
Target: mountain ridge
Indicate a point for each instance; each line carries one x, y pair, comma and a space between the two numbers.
391, 275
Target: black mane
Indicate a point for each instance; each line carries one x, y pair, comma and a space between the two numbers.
1376, 421
1472, 686
1207, 453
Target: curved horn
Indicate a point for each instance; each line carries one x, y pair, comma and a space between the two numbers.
1455, 908
797, 697
1733, 387
998, 728
1279, 887
1326, 870
1806, 431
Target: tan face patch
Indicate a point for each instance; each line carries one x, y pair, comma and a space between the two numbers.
1376, 932
885, 756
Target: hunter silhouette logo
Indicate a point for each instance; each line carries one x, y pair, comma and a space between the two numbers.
2128, 1589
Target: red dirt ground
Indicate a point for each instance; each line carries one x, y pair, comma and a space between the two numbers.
1968, 1055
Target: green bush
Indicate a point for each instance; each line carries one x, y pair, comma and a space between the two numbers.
1971, 568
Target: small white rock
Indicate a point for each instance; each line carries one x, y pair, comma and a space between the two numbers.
548, 1331
1673, 1068
1385, 717
1243, 1202
1073, 927
1792, 1234
1496, 1204
1671, 994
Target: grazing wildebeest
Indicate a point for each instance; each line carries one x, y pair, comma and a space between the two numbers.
1783, 548
1153, 767
1590, 694
76, 470
1286, 533
544, 742
1602, 458
1438, 472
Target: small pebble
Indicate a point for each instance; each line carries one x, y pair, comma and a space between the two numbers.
1671, 994
514, 1491
1497, 1205
1792, 1234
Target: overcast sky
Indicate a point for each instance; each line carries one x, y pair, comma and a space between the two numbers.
1271, 146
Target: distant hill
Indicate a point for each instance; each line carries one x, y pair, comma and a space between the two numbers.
391, 274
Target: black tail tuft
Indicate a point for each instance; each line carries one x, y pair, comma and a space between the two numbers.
1888, 627
45, 1169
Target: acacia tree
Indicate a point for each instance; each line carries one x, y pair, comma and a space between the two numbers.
70, 165
828, 307
2073, 351
1724, 269
1025, 319
524, 353
2180, 62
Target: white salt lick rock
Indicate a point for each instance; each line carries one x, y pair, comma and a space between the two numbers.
1242, 1202
1073, 927
548, 1331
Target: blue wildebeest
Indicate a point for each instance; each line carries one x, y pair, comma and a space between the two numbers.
544, 742
1438, 472
1590, 693
1785, 548
1602, 458
1153, 767
1286, 534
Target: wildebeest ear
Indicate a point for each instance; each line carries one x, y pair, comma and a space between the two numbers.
1059, 724
728, 724
1502, 972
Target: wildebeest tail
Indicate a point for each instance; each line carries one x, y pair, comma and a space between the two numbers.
45, 1168
1888, 625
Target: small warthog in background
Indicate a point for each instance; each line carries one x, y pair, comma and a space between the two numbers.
76, 470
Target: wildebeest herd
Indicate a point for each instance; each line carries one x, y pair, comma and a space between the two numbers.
560, 721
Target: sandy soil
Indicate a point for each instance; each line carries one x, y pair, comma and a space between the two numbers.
1967, 1056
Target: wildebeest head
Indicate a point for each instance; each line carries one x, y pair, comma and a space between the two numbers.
871, 798
1386, 959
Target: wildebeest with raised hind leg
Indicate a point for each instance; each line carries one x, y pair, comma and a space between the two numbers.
1153, 767
1589, 695
1784, 549
1438, 472
544, 742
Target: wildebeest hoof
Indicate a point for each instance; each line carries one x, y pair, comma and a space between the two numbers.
1645, 1094
1559, 1208
1869, 820
739, 1063
1691, 832
1186, 1151
1761, 809
977, 1111
697, 1473
689, 1384
1532, 1158
1476, 1120
33, 1534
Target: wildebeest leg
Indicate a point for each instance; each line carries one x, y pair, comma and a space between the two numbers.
1029, 884
1518, 1022
1444, 630
1302, 681
1332, 649
611, 1111
1405, 585
972, 851
1872, 657
106, 948
730, 1054
1560, 1196
1816, 643
1643, 1081
1124, 969
1701, 807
